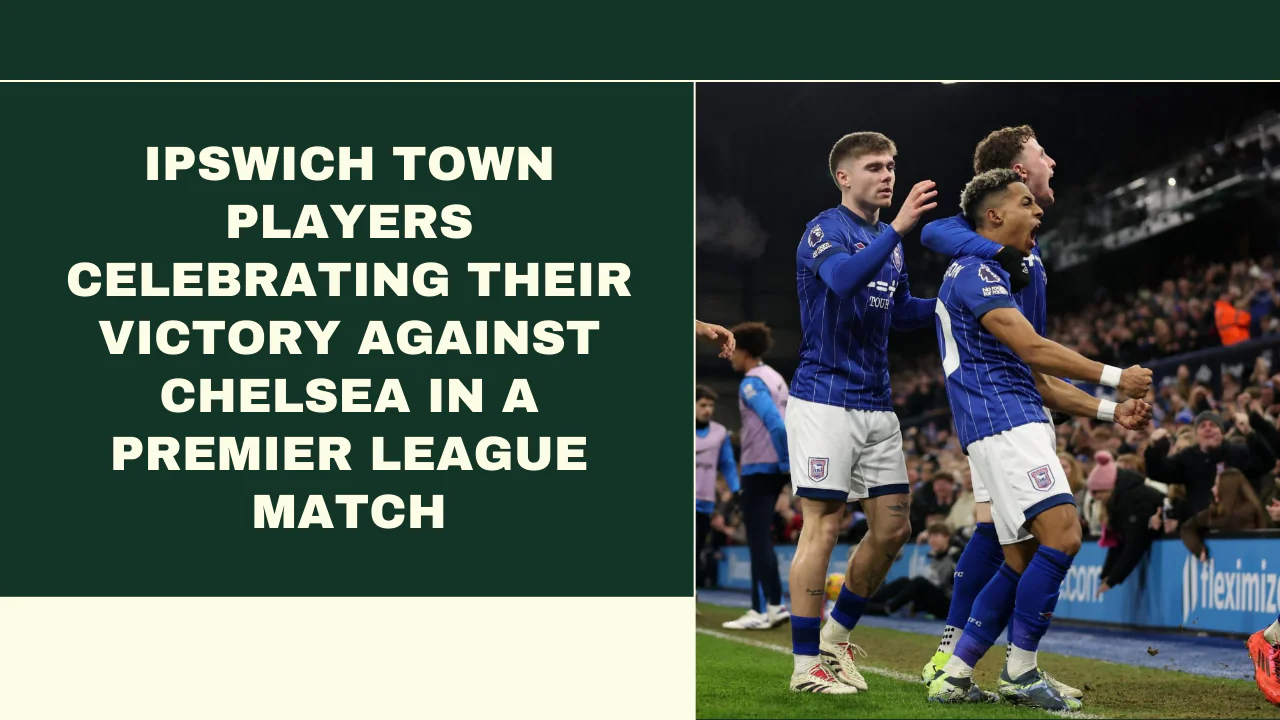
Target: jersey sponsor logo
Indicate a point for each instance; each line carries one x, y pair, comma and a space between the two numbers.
748, 391
897, 257
997, 290
857, 246
821, 249
1041, 478
815, 236
818, 469
986, 274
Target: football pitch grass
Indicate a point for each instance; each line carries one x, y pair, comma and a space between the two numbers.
741, 680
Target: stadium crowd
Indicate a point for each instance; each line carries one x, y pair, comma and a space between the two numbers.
1210, 461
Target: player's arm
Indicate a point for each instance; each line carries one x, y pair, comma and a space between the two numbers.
954, 237
757, 398
846, 274
910, 313
729, 466
1162, 466
1062, 396
1010, 327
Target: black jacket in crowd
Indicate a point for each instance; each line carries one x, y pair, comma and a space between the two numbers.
1129, 513
1198, 469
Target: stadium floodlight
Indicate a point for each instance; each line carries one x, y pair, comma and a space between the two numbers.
1172, 182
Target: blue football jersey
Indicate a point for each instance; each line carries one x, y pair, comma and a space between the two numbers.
954, 237
1032, 297
844, 350
989, 388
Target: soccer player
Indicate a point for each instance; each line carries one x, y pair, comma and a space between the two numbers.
1264, 648
762, 402
714, 454
1000, 375
843, 437
1016, 148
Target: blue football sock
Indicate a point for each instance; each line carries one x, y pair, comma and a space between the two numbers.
849, 607
804, 635
1038, 596
978, 563
991, 612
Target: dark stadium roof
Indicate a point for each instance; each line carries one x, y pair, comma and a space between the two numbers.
767, 143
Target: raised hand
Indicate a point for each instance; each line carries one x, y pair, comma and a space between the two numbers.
917, 204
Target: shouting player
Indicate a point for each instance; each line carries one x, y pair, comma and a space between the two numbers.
1016, 148
1000, 375
844, 439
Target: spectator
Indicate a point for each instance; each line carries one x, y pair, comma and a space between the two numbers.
1094, 509
1197, 466
1235, 507
932, 499
1133, 519
1132, 462
1075, 474
1230, 317
931, 592
961, 519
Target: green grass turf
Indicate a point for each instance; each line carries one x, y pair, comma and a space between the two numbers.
736, 680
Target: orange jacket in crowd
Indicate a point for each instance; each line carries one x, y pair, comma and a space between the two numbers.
1233, 324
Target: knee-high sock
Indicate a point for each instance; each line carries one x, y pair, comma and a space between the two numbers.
991, 612
978, 563
1038, 596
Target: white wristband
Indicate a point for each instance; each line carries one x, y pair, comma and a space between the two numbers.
1106, 411
1110, 376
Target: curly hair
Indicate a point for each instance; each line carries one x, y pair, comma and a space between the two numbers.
1001, 148
857, 144
753, 337
973, 201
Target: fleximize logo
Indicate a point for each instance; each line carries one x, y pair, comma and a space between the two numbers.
1206, 587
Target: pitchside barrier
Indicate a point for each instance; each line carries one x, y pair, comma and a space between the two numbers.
1236, 591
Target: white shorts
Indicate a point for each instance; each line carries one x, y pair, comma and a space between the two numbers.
842, 454
980, 493
1020, 475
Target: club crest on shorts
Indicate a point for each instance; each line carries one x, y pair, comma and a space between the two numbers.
1041, 478
818, 469
897, 258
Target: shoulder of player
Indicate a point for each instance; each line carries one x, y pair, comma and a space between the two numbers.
828, 226
970, 263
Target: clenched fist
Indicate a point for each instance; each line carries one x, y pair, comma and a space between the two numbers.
1135, 382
